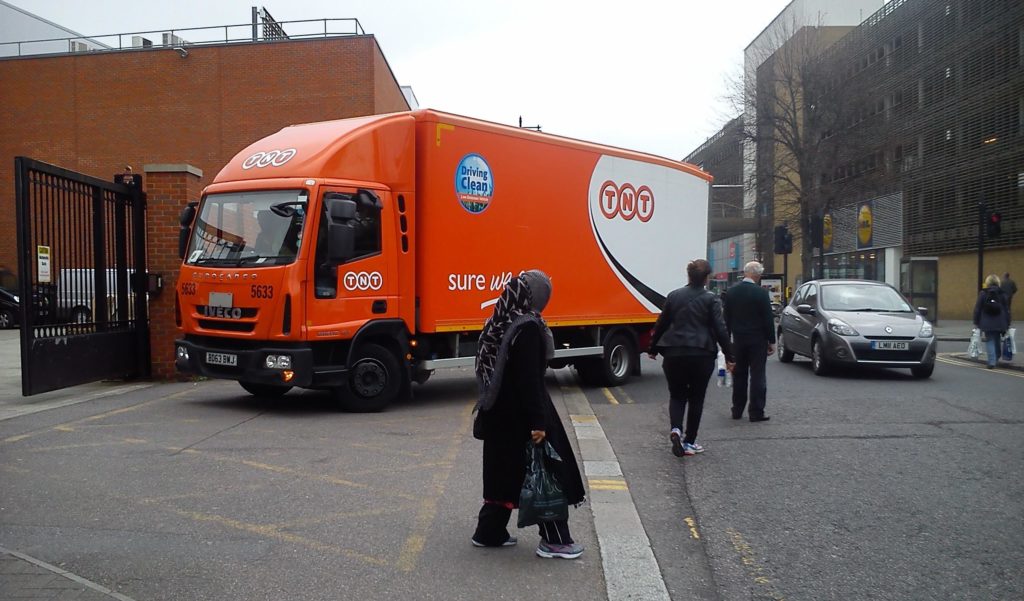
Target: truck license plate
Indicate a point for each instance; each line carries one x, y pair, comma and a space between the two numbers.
890, 345
222, 359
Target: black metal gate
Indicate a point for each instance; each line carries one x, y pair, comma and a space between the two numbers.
82, 277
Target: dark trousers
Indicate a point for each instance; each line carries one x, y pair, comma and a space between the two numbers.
492, 527
688, 378
751, 355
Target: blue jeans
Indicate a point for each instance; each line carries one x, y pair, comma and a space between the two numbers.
992, 347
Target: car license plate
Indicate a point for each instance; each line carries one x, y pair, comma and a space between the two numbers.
221, 359
890, 345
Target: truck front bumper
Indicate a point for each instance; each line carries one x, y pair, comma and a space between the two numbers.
248, 365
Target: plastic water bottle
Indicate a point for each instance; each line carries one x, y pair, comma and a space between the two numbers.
721, 378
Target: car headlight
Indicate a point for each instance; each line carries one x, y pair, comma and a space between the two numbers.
840, 327
926, 330
16, 299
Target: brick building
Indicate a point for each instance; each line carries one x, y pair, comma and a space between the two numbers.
99, 111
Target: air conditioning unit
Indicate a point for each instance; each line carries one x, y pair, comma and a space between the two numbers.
79, 46
140, 42
172, 40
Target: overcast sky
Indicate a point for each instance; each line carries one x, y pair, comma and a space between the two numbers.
648, 75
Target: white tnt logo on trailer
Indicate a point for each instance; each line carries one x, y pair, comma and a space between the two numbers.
270, 158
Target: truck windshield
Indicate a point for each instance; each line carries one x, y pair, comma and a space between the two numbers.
248, 228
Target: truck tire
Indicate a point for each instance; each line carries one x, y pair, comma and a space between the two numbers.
614, 367
375, 380
266, 391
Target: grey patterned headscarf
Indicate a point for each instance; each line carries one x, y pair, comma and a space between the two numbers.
526, 295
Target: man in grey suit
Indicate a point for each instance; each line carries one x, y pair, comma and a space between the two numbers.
749, 318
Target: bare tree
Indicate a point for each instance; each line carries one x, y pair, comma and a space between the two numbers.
796, 102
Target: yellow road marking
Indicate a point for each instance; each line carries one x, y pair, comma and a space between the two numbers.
607, 484
625, 395
611, 397
321, 518
280, 469
949, 360
747, 558
693, 527
424, 521
69, 426
271, 532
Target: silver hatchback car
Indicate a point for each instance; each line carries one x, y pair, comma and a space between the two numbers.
856, 322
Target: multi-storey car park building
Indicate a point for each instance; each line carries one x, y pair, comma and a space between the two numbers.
938, 131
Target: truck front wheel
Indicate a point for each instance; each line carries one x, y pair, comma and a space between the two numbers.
375, 380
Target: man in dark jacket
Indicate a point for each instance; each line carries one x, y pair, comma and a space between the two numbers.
748, 315
1009, 288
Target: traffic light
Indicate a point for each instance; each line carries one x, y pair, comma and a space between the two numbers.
994, 225
783, 240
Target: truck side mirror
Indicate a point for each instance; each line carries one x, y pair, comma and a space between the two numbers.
341, 234
188, 215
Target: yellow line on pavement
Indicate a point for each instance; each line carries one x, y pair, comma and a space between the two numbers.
748, 559
271, 532
693, 527
607, 484
69, 426
424, 521
950, 360
611, 397
622, 391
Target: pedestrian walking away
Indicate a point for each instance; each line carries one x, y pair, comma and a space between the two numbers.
749, 318
1009, 288
992, 317
688, 333
515, 409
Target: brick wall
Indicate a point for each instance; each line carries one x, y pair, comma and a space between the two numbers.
168, 190
95, 113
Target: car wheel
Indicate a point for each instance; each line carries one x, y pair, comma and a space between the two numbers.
922, 371
375, 381
267, 391
6, 319
818, 364
785, 355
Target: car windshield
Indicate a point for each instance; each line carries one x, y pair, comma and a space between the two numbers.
248, 228
863, 297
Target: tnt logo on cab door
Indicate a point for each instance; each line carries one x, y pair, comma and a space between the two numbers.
626, 201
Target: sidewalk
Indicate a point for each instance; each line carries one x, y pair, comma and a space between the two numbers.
959, 331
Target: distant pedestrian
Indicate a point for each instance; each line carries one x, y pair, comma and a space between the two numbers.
749, 317
1009, 288
515, 409
687, 334
992, 317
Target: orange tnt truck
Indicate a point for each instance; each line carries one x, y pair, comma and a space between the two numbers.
360, 255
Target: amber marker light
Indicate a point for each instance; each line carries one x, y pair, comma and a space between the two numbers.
287, 375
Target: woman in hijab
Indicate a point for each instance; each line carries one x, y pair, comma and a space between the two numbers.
515, 408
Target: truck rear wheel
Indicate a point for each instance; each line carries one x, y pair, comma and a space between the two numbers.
375, 380
267, 391
614, 367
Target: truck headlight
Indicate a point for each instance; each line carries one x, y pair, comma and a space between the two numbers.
278, 362
840, 327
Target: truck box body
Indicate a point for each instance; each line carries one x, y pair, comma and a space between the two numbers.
441, 211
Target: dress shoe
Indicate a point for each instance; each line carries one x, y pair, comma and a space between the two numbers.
762, 418
736, 415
